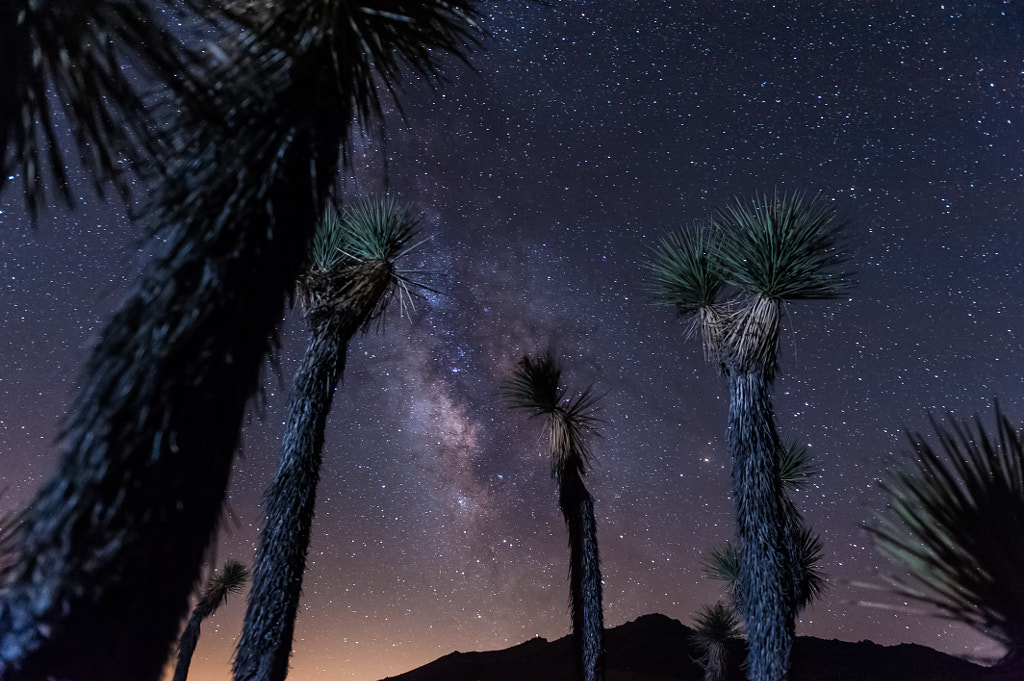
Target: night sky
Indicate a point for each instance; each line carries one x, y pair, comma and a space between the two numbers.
589, 130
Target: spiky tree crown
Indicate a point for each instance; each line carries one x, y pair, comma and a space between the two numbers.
367, 46
716, 625
685, 269
715, 628
73, 53
784, 247
734, 272
955, 522
795, 465
535, 387
301, 79
230, 580
352, 258
370, 229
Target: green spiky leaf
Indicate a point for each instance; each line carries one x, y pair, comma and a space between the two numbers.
955, 523
370, 229
812, 583
795, 465
230, 580
723, 564
684, 269
353, 260
783, 247
535, 387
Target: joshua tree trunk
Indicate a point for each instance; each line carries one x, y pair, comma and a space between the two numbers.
188, 640
230, 580
765, 579
584, 576
266, 643
113, 544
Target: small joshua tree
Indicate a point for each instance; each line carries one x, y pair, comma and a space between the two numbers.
230, 580
535, 388
716, 629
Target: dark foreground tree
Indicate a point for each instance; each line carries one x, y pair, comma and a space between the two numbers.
955, 523
112, 545
350, 281
715, 630
774, 249
230, 580
78, 54
534, 388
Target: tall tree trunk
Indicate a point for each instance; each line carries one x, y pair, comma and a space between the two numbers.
112, 546
188, 640
584, 576
765, 582
265, 646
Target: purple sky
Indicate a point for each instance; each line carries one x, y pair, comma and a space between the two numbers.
592, 128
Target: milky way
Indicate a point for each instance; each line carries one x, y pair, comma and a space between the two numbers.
587, 131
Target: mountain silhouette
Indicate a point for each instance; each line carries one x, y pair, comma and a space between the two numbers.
656, 648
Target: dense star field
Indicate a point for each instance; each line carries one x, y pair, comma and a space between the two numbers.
587, 131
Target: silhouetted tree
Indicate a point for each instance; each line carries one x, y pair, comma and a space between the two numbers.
112, 545
351, 278
75, 54
764, 253
715, 629
955, 523
230, 580
534, 388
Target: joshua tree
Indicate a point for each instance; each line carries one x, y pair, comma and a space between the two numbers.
534, 388
716, 628
774, 249
349, 282
956, 525
112, 545
230, 581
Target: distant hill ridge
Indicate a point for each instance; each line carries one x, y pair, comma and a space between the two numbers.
656, 648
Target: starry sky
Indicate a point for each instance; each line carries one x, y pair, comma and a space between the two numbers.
589, 129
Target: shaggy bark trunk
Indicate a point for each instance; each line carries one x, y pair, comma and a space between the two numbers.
188, 640
265, 646
112, 546
584, 576
765, 581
